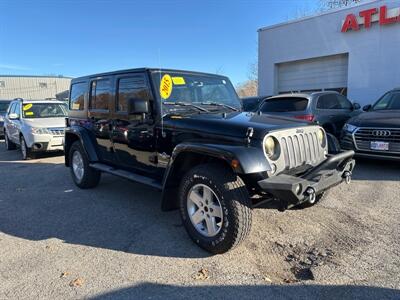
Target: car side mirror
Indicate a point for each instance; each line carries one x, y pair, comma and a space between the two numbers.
356, 106
13, 116
367, 107
138, 106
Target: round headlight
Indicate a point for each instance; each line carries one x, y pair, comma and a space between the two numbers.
321, 137
271, 148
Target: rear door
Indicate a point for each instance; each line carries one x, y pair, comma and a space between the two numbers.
133, 134
9, 124
99, 114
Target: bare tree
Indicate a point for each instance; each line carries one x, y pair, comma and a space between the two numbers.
331, 4
250, 86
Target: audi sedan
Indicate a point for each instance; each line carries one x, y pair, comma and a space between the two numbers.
376, 132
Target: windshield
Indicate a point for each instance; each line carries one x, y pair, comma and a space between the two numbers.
201, 90
3, 106
284, 104
389, 101
43, 110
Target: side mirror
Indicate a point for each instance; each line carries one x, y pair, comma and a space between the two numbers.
367, 107
13, 116
356, 106
138, 106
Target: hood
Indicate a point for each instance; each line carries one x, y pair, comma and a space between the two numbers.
382, 118
232, 124
45, 122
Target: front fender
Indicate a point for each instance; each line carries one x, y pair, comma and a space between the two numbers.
86, 138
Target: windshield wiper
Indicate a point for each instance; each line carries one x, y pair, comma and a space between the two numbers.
219, 104
179, 103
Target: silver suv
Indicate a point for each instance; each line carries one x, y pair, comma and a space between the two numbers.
35, 126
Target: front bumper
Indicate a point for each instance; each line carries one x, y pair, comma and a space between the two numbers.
292, 190
45, 143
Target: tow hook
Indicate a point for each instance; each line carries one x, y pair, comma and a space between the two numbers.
347, 177
310, 192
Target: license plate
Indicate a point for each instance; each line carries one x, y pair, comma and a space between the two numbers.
383, 146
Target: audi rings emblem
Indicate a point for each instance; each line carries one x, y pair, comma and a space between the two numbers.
381, 133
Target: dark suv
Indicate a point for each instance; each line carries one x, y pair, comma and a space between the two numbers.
183, 133
330, 109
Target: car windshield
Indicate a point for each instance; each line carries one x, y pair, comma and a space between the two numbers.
205, 91
284, 104
43, 110
389, 101
3, 106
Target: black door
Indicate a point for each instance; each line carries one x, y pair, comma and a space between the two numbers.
100, 96
133, 134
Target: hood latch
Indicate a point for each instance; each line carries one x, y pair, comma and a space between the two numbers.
249, 134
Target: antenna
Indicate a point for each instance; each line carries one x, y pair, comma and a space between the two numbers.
161, 104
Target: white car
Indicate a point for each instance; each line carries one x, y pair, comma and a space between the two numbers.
35, 126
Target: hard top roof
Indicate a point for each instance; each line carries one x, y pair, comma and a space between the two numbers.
117, 72
302, 95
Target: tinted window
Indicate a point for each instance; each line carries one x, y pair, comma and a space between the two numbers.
328, 101
130, 88
251, 104
344, 102
11, 108
100, 94
388, 101
77, 100
284, 104
4, 106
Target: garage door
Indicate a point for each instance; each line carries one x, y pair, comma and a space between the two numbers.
323, 73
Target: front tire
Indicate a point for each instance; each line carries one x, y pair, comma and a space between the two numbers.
83, 175
25, 151
9, 144
215, 207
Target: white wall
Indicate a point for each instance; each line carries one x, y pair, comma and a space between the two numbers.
374, 53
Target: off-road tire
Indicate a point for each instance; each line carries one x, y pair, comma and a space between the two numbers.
9, 144
234, 200
91, 177
319, 198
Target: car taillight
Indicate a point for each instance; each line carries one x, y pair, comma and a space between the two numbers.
309, 118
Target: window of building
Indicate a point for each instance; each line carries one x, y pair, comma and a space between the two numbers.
100, 94
77, 99
130, 88
2, 84
43, 85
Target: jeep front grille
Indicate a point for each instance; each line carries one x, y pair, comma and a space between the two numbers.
364, 136
301, 149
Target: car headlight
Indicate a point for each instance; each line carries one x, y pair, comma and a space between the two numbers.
36, 130
349, 128
271, 148
1, 118
321, 137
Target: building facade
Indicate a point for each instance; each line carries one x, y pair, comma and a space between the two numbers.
32, 87
354, 50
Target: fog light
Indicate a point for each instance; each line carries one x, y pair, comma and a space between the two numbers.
273, 168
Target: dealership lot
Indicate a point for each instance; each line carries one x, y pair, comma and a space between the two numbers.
57, 241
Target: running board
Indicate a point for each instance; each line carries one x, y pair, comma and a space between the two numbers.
127, 175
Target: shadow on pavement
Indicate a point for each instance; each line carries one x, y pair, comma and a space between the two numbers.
39, 201
159, 291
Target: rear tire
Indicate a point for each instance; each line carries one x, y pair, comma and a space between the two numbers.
83, 175
9, 144
215, 207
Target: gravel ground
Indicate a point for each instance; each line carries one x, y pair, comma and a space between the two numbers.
57, 241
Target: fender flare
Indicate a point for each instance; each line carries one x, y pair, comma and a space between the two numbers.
85, 137
242, 160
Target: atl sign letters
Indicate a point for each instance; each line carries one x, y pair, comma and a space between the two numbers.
383, 15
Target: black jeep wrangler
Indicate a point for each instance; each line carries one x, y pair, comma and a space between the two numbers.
184, 133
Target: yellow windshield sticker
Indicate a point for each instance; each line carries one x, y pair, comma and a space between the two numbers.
166, 86
27, 106
29, 113
178, 80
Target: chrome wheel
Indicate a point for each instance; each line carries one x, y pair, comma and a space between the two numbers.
205, 210
77, 165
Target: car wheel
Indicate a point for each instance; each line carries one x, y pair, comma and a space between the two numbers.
25, 151
318, 199
9, 144
83, 175
215, 207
